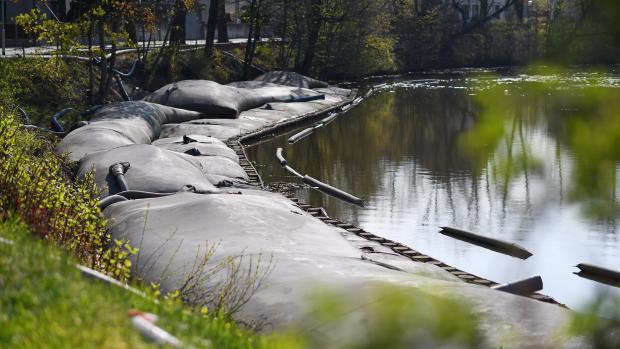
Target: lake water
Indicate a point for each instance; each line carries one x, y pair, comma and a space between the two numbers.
412, 151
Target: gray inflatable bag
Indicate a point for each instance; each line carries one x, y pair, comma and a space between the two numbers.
120, 124
197, 148
152, 169
291, 79
222, 101
207, 97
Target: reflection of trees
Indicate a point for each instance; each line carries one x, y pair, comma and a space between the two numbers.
444, 157
585, 120
439, 117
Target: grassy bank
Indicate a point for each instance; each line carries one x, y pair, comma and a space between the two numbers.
45, 302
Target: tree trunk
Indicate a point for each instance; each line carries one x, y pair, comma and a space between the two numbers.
252, 35
91, 73
314, 26
222, 21
103, 67
211, 25
177, 32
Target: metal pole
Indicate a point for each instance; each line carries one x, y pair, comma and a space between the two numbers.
2, 35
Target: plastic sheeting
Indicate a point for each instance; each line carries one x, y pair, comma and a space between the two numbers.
222, 101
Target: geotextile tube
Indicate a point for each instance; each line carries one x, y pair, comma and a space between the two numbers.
524, 287
505, 247
224, 101
119, 124
153, 169
291, 79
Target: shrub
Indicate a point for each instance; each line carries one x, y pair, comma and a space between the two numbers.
35, 187
44, 85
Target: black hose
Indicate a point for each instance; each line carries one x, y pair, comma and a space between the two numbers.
305, 99
139, 194
121, 87
335, 192
129, 195
56, 126
112, 199
325, 188
118, 171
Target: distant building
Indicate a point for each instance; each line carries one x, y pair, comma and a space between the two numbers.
472, 9
14, 35
196, 22
65, 10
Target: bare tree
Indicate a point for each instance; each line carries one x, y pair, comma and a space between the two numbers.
211, 26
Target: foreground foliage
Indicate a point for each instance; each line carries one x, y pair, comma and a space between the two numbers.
584, 118
35, 186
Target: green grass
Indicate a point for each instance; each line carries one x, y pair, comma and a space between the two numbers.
46, 302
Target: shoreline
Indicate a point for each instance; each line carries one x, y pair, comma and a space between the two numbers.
166, 149
240, 143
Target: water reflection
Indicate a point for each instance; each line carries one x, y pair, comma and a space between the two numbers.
501, 157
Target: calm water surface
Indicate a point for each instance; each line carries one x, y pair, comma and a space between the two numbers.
402, 151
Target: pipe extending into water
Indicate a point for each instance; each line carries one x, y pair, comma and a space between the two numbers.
301, 135
524, 287
316, 184
308, 131
335, 192
497, 245
599, 274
